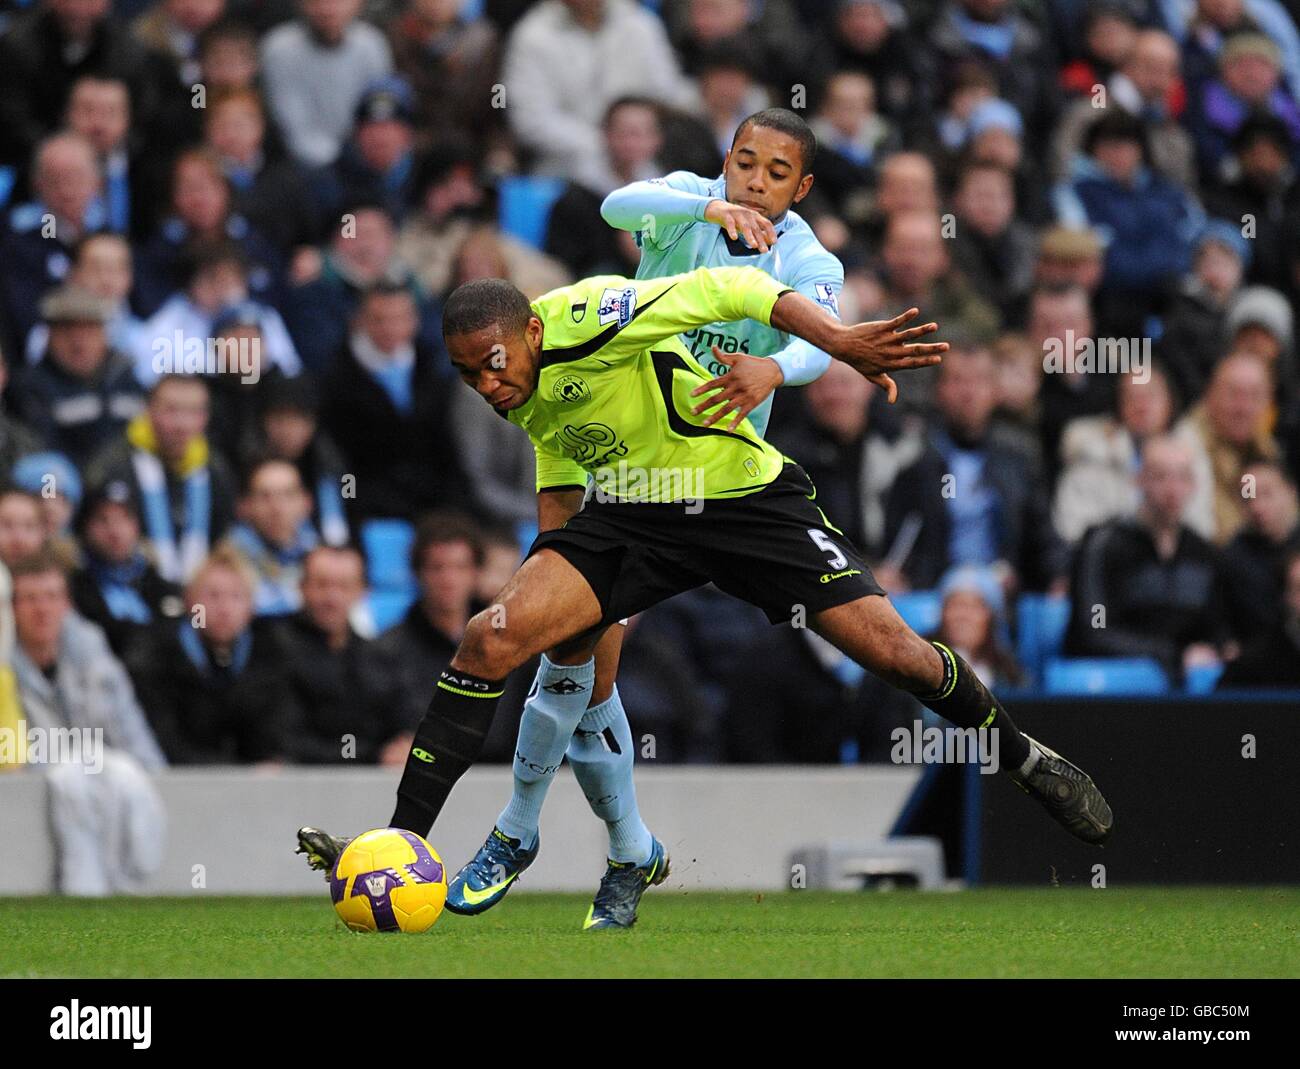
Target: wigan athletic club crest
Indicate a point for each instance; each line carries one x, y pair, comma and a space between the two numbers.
571, 389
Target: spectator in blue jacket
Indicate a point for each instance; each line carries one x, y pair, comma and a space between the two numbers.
1147, 222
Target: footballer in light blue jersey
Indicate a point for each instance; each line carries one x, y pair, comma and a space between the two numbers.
668, 217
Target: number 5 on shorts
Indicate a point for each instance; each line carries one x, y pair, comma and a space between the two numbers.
822, 541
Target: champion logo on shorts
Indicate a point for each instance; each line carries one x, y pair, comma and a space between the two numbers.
830, 577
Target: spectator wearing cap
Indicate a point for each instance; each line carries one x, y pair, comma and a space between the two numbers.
995, 133
1146, 85
288, 428
973, 613
315, 69
52, 478
376, 163
1261, 185
270, 190
1249, 81
450, 61
1261, 323
215, 297
183, 489
362, 253
1148, 222
1161, 585
1204, 31
993, 32
274, 533
101, 265
37, 245
1192, 338
82, 393
117, 585
387, 405
558, 52
203, 211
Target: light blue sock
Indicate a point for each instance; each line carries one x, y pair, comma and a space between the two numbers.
559, 698
602, 755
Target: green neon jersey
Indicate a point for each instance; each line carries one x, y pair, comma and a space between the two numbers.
613, 392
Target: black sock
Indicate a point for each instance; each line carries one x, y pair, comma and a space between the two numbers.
963, 700
448, 740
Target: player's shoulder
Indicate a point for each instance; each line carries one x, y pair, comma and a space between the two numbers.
690, 182
804, 257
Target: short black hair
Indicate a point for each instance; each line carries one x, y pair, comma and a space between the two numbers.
784, 121
1116, 125
485, 302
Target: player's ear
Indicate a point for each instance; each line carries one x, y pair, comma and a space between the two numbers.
533, 332
805, 185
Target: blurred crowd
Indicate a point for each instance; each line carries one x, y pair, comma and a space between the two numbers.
294, 188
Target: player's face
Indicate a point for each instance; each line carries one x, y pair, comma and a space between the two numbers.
500, 368
764, 171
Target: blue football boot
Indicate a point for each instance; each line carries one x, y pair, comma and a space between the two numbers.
484, 881
621, 889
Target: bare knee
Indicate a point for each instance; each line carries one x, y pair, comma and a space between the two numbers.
488, 651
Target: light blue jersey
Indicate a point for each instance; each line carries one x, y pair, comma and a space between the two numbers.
667, 215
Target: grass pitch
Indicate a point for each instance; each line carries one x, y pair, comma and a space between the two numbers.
1145, 932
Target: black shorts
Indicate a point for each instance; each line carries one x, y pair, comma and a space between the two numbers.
774, 549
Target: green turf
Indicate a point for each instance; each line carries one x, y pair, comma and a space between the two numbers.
1164, 932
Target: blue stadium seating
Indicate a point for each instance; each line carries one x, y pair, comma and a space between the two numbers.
525, 205
1041, 621
919, 609
387, 546
387, 607
1201, 680
1104, 675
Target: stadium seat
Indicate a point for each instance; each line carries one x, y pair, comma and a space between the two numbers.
387, 607
525, 205
1202, 678
387, 545
1041, 621
1104, 675
920, 609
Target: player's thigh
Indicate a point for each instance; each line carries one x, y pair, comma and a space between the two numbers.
869, 630
545, 604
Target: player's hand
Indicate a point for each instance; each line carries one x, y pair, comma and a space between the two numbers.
739, 391
874, 349
739, 221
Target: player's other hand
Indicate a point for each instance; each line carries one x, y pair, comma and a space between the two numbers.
739, 221
874, 349
741, 390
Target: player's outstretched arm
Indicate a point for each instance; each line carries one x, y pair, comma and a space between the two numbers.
872, 349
